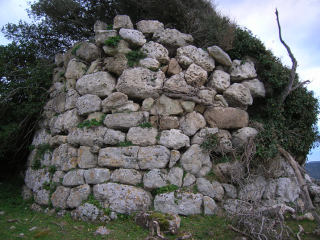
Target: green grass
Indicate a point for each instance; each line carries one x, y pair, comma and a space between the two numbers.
200, 226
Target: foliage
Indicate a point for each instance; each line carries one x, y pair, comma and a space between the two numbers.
92, 200
145, 125
50, 186
92, 122
165, 189
163, 220
41, 150
113, 41
125, 143
74, 50
52, 169
134, 57
292, 125
110, 27
195, 189
210, 144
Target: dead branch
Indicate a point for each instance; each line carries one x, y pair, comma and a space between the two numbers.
288, 89
58, 225
238, 231
14, 220
301, 230
302, 184
32, 219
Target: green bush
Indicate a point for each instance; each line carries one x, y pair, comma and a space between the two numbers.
113, 41
134, 57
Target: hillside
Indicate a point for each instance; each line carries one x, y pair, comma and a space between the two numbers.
313, 168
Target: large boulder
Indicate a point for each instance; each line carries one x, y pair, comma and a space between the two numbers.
116, 64
219, 80
191, 54
60, 196
173, 67
237, 95
150, 63
113, 137
65, 157
177, 84
195, 161
122, 21
92, 136
256, 88
101, 84
226, 118
153, 157
156, 51
220, 56
242, 71
96, 175
166, 106
174, 139
65, 122
122, 198
196, 75
88, 52
241, 137
76, 69
73, 178
78, 195
140, 83
191, 123
175, 176
287, 189
71, 99
126, 176
113, 101
87, 159
41, 137
88, 103
134, 37
142, 136
124, 121
148, 27
154, 179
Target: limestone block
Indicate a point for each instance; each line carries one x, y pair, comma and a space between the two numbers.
189, 203
122, 21
191, 54
156, 51
147, 104
119, 157
88, 52
219, 80
166, 106
196, 76
188, 180
239, 71
87, 104
270, 190
153, 157
219, 55
150, 63
101, 84
60, 196
201, 136
126, 176
86, 159
129, 106
191, 123
169, 122
237, 95
99, 25
102, 35
42, 197
253, 190
148, 27
96, 175
177, 84
66, 122
218, 190
241, 137
174, 158
121, 48
93, 136
230, 190
123, 121
113, 137
116, 64
287, 189
154, 179
71, 99
26, 193
207, 95
256, 88
65, 157
122, 198
205, 187
41, 137
58, 177
73, 178
174, 139
195, 161
134, 37
173, 67
78, 195
140, 83
113, 101
226, 118
210, 206
165, 203
75, 70
175, 176
220, 101
142, 136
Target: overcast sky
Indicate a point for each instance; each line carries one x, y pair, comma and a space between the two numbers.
299, 21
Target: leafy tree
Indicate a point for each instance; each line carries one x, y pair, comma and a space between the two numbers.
24, 81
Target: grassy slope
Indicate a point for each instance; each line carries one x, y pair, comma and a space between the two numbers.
201, 227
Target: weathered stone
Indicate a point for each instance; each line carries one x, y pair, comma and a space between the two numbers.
96, 175
126, 176
124, 121
154, 179
150, 63
36, 208
220, 56
174, 139
175, 176
113, 101
153, 157
147, 104
58, 59
205, 187
169, 122
71, 84
156, 51
239, 71
241, 137
78, 195
233, 206
132, 36
73, 178
173, 67
270, 190
89, 52
166, 106
99, 25
207, 95
57, 104
65, 157
189, 203
226, 118
42, 197
174, 158
88, 103
219, 80
102, 231
287, 189
201, 136
226, 171
230, 190
57, 74
93, 136
113, 137
165, 203
148, 27
95, 115
26, 193
195, 75
41, 137
65, 122
142, 136
122, 21
140, 83
177, 84
188, 180
116, 157
95, 66
121, 48
102, 35
58, 177
101, 84
75, 70
220, 101
71, 99
122, 198
191, 54
116, 64
195, 161
35, 179
256, 88
88, 212
129, 106
60, 196
253, 190
218, 190
210, 206
86, 159
191, 123
172, 39
238, 95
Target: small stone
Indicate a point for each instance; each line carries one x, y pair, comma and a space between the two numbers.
102, 231
33, 228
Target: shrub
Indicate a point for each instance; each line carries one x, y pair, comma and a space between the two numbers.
134, 57
113, 41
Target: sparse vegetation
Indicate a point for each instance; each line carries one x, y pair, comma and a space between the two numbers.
134, 57
145, 125
92, 122
40, 151
113, 41
74, 50
165, 189
125, 143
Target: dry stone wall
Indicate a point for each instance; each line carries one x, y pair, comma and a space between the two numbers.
149, 123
